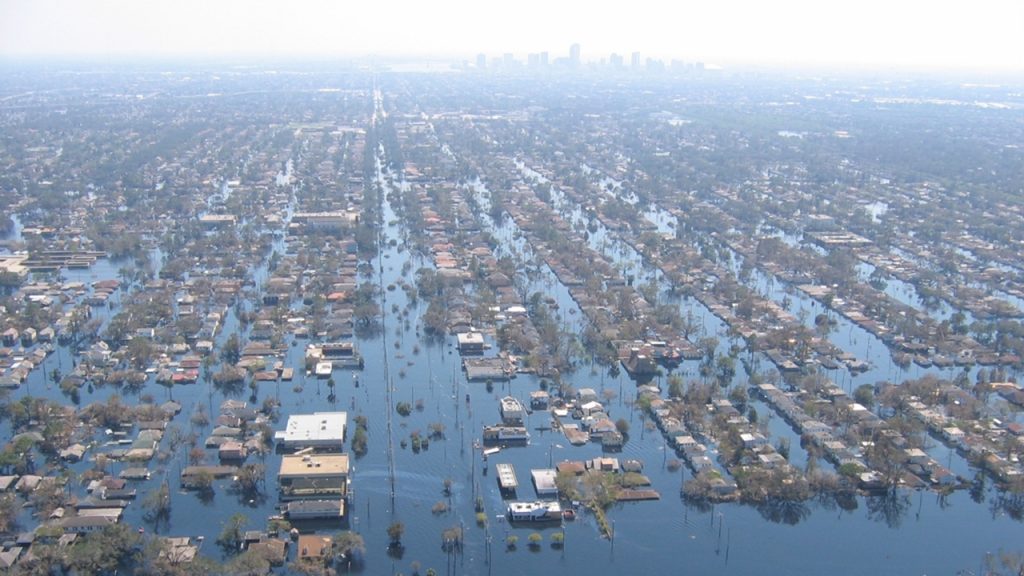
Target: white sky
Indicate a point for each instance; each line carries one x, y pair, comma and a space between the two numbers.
981, 34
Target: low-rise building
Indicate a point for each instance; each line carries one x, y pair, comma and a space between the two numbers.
326, 220
87, 524
320, 430
512, 411
544, 482
313, 477
314, 509
312, 547
534, 511
470, 342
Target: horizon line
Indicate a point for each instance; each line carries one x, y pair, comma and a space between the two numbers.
467, 61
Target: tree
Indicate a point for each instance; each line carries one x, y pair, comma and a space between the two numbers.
251, 479
739, 396
348, 546
359, 441
158, 504
231, 535
248, 563
567, 485
726, 369
203, 483
675, 386
105, 551
865, 395
140, 352
8, 513
451, 538
231, 352
395, 532
622, 425
200, 419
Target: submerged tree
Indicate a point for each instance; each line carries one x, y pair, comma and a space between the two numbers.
395, 532
158, 505
231, 535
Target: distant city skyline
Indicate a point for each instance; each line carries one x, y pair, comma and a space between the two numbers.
868, 33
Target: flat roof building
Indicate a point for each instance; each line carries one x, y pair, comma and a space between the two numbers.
316, 430
326, 220
214, 220
315, 509
313, 477
512, 411
470, 342
544, 481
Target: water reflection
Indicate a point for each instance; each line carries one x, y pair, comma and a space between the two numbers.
1009, 502
843, 499
977, 489
889, 507
788, 512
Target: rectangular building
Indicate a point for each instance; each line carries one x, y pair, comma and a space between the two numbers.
320, 430
544, 482
313, 477
315, 509
470, 342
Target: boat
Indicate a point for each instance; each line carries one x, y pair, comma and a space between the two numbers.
568, 514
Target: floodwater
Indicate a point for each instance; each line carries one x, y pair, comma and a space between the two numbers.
909, 533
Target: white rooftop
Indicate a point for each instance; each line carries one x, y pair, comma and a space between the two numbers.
316, 429
465, 338
544, 481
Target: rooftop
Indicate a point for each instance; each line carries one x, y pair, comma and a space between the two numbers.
296, 465
467, 338
317, 429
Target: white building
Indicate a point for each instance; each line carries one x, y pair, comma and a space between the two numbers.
544, 482
512, 410
470, 342
534, 511
317, 430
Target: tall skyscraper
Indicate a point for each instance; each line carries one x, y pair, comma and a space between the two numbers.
635, 60
574, 54
543, 58
481, 61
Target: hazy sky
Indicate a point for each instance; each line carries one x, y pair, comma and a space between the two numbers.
932, 33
